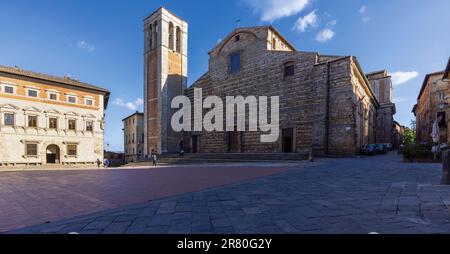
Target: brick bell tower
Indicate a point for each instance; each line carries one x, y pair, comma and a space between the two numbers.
165, 77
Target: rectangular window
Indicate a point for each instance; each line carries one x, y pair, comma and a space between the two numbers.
72, 150
32, 93
31, 150
53, 97
442, 117
289, 70
89, 102
235, 63
53, 123
9, 89
72, 125
9, 119
72, 99
89, 126
32, 121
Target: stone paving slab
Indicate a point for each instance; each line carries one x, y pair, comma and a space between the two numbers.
338, 196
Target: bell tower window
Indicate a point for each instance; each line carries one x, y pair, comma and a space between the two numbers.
171, 37
178, 39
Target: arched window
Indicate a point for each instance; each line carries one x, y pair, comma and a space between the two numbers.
178, 39
150, 37
155, 34
171, 38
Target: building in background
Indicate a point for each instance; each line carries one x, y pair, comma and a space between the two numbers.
165, 77
49, 120
432, 104
133, 129
381, 84
398, 136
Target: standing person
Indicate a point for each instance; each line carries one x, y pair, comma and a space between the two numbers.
99, 163
154, 158
106, 163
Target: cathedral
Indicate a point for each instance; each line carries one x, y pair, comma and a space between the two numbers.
327, 104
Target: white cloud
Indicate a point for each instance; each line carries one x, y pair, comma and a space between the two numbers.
363, 12
401, 77
332, 23
304, 22
399, 99
363, 9
325, 35
135, 105
83, 45
271, 10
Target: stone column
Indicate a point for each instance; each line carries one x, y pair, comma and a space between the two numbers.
446, 168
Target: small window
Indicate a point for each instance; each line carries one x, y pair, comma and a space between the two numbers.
442, 117
32, 121
9, 119
441, 97
32, 93
53, 123
235, 60
171, 32
72, 150
289, 70
72, 99
9, 89
72, 125
237, 38
53, 97
89, 126
89, 102
31, 150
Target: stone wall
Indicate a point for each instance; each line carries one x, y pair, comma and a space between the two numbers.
304, 97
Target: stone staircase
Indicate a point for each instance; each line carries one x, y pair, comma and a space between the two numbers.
175, 159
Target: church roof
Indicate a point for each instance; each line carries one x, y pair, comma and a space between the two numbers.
244, 29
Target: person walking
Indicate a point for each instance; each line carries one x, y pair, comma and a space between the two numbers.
99, 163
106, 163
154, 158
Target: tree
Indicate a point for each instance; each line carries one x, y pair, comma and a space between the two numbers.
413, 125
410, 136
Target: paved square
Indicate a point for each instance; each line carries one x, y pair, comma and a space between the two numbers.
36, 197
376, 194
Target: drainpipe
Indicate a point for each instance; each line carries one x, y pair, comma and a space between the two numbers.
327, 113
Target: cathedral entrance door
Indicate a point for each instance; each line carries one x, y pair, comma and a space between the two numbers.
194, 144
288, 140
234, 142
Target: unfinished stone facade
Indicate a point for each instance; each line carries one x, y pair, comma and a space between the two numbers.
326, 102
381, 84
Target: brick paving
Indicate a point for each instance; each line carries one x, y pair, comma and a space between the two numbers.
36, 197
378, 194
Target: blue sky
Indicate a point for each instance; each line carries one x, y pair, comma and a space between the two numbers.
101, 41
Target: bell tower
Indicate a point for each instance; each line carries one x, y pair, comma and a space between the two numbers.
165, 77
